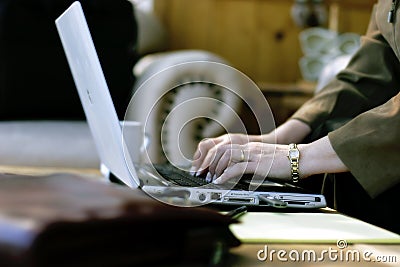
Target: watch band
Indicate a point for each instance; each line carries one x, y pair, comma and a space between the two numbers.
294, 156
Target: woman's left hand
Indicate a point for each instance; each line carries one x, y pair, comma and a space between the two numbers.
270, 160
260, 159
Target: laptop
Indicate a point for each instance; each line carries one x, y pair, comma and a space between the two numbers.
108, 137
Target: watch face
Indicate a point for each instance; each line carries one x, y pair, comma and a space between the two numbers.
294, 154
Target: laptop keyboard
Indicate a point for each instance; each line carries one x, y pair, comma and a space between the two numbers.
178, 176
184, 178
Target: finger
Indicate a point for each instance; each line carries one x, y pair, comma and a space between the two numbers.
225, 154
207, 161
200, 154
199, 148
221, 152
227, 159
213, 157
207, 143
221, 161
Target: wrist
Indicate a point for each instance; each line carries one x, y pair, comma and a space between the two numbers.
294, 160
319, 157
307, 161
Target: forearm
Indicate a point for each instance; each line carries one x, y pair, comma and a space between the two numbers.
292, 131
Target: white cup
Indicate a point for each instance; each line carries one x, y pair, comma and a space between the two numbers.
135, 139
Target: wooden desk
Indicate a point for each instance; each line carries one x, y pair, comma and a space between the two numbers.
249, 255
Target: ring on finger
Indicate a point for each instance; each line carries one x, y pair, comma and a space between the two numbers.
242, 158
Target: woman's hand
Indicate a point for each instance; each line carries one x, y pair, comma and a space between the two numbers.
258, 159
207, 147
269, 160
289, 132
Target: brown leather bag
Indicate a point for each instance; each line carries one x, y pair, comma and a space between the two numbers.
67, 220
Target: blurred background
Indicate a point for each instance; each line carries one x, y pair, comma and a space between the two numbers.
261, 38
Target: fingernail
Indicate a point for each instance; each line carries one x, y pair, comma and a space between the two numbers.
208, 177
192, 171
214, 177
217, 181
198, 173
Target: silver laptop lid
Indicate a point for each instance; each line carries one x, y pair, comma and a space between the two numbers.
94, 93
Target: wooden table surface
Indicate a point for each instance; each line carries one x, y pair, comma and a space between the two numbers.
274, 254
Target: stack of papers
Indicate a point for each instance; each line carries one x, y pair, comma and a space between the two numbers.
277, 227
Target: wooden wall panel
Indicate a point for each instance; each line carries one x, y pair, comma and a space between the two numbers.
256, 36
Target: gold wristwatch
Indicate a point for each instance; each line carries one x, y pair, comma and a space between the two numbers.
294, 156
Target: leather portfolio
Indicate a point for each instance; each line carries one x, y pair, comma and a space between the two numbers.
69, 220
